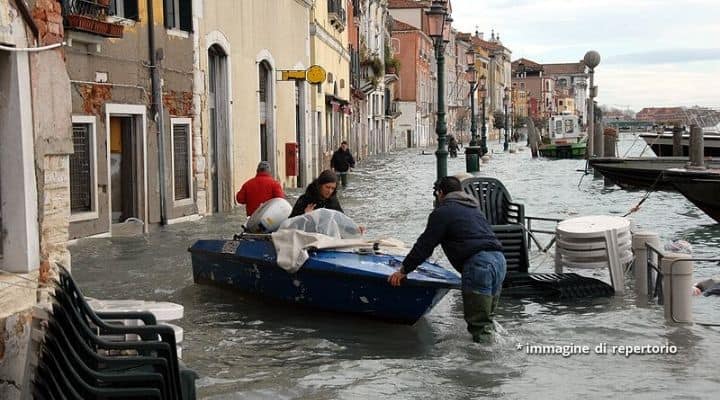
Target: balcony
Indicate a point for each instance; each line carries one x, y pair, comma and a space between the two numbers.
337, 14
392, 109
91, 17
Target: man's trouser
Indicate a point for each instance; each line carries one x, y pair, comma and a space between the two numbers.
343, 178
482, 279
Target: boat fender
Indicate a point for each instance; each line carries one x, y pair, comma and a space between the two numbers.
268, 217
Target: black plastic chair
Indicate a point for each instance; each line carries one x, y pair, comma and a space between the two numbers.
495, 201
92, 335
156, 349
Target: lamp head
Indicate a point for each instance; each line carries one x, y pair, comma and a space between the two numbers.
592, 59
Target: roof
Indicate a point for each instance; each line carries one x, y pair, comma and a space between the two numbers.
401, 26
408, 3
528, 64
486, 45
564, 68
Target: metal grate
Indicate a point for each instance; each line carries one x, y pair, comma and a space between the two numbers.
182, 160
80, 181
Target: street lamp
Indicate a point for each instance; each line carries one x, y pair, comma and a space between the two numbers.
438, 21
591, 59
506, 100
472, 80
483, 130
472, 152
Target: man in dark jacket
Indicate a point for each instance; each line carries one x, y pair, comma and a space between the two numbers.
320, 193
259, 189
342, 161
458, 224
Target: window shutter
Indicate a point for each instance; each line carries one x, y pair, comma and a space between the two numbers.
186, 15
182, 161
80, 169
169, 11
131, 9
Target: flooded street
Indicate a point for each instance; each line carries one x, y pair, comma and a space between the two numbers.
244, 348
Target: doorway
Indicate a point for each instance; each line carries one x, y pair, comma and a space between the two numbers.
218, 141
124, 168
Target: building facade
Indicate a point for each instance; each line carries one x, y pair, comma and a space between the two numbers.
35, 145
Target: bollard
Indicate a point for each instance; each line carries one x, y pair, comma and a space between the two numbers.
640, 268
485, 159
472, 158
677, 270
677, 148
697, 147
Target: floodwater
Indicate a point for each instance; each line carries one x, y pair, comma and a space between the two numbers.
244, 348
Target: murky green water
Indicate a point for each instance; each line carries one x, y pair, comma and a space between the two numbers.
247, 349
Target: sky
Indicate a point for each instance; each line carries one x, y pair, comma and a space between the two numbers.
654, 53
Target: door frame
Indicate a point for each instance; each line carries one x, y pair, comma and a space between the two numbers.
132, 110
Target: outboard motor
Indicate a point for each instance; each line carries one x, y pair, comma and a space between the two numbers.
269, 216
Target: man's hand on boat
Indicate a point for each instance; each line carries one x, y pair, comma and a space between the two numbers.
396, 278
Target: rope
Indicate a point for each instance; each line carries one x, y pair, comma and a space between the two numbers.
645, 197
630, 148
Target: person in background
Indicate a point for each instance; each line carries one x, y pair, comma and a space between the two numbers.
458, 224
320, 193
259, 189
707, 287
342, 161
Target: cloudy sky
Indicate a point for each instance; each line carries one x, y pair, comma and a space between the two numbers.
654, 52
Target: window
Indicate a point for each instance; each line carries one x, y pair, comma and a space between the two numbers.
178, 14
124, 8
83, 176
182, 159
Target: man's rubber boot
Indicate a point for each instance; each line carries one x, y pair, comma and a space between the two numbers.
478, 315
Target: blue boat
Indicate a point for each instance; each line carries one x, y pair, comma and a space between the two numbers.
347, 282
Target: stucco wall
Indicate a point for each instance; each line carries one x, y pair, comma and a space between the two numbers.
273, 31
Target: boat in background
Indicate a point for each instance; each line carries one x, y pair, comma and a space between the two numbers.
700, 186
566, 140
641, 172
662, 143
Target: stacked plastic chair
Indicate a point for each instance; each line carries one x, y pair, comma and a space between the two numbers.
89, 355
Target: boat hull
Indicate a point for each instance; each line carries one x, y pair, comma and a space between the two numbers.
326, 281
563, 151
633, 173
702, 188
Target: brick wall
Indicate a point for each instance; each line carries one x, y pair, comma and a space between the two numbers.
48, 18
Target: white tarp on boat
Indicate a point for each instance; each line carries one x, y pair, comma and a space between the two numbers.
291, 246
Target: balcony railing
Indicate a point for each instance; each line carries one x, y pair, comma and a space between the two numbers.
392, 109
91, 17
337, 14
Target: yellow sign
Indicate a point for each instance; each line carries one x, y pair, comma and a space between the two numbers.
288, 75
316, 74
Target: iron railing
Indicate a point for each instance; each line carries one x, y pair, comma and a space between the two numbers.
87, 8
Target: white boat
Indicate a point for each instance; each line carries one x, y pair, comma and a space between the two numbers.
662, 143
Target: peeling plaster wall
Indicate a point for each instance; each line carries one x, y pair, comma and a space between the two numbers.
50, 130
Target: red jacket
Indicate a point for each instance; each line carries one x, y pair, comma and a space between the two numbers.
258, 190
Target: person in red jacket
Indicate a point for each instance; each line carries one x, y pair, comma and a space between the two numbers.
259, 189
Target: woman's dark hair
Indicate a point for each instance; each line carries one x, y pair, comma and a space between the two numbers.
449, 184
326, 176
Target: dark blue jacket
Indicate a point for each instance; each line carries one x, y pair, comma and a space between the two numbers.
459, 225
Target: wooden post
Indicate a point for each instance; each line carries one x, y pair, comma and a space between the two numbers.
533, 137
610, 141
599, 145
677, 142
697, 147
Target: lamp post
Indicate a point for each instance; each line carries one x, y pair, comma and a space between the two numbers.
591, 60
483, 130
506, 100
438, 27
472, 152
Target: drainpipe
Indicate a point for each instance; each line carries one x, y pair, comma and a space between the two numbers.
157, 109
